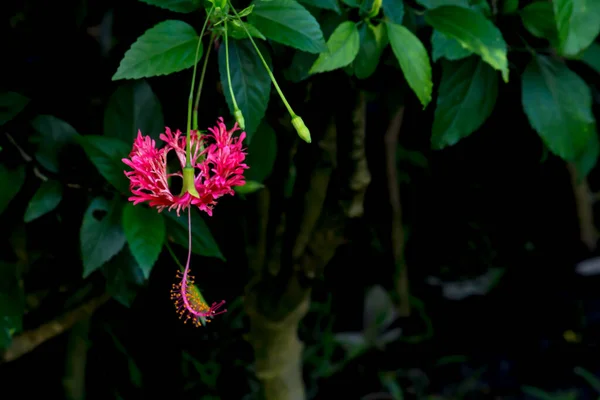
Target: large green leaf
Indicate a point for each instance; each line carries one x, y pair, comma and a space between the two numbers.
106, 154
45, 199
324, 4
510, 6
588, 159
591, 57
168, 47
393, 10
182, 6
249, 79
262, 153
578, 23
373, 40
203, 242
236, 30
447, 47
342, 47
300, 65
124, 277
249, 187
54, 137
11, 181
473, 31
538, 19
145, 231
132, 107
11, 103
466, 98
558, 104
440, 3
101, 234
288, 23
413, 60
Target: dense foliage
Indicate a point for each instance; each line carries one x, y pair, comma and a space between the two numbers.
496, 102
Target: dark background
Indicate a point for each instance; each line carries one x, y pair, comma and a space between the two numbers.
494, 200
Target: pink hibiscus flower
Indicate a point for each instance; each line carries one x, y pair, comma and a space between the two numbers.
217, 158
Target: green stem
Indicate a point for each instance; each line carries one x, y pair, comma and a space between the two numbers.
191, 98
287, 105
202, 74
235, 106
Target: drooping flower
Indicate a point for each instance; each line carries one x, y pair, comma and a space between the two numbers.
217, 158
189, 302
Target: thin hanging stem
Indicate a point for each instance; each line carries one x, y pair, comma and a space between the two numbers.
189, 257
202, 74
287, 105
191, 97
235, 106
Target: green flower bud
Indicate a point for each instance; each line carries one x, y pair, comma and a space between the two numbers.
302, 130
239, 118
375, 8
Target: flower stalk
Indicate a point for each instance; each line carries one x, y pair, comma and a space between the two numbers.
297, 122
239, 117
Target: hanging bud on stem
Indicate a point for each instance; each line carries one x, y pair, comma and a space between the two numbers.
301, 128
239, 118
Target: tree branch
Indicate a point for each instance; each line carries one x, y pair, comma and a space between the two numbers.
397, 238
29, 340
277, 303
585, 211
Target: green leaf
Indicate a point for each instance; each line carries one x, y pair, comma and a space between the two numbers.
11, 103
11, 181
262, 153
124, 277
558, 104
203, 242
589, 377
352, 3
587, 160
393, 10
167, 47
182, 6
145, 231
373, 40
538, 19
413, 60
288, 23
55, 136
101, 235
578, 23
106, 154
323, 4
249, 79
246, 11
132, 107
430, 4
510, 6
249, 187
466, 98
299, 67
342, 47
447, 47
482, 6
591, 57
474, 32
235, 29
46, 199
